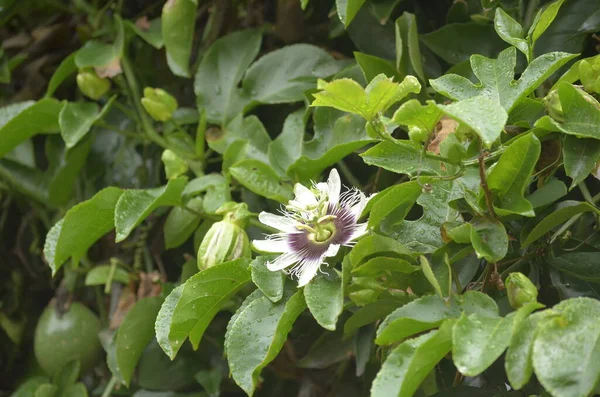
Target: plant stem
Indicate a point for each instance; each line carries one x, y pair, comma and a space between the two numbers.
484, 185
109, 387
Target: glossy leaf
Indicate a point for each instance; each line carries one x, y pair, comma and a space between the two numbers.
583, 265
580, 156
420, 119
429, 312
189, 308
569, 337
262, 180
134, 333
325, 298
270, 283
372, 66
81, 226
135, 205
483, 115
178, 20
257, 333
488, 237
408, 53
558, 217
182, 222
441, 285
395, 204
76, 119
347, 9
373, 312
21, 121
66, 68
543, 21
496, 77
150, 32
99, 275
408, 364
510, 31
512, 174
402, 157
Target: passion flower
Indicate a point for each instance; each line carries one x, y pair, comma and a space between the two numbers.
312, 227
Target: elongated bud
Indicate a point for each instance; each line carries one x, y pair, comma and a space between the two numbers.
553, 106
226, 240
159, 104
91, 85
520, 290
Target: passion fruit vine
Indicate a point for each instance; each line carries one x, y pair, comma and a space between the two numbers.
73, 335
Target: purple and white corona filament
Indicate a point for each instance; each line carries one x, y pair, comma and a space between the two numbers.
313, 227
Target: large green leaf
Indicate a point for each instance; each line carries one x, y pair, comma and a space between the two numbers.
190, 308
21, 121
221, 69
408, 53
420, 119
178, 21
135, 205
543, 20
510, 31
347, 9
97, 54
372, 312
558, 217
478, 341
482, 114
66, 68
429, 312
262, 180
512, 174
583, 265
488, 237
81, 226
270, 283
393, 205
496, 77
182, 222
580, 156
581, 114
403, 157
325, 298
76, 118
571, 336
409, 364
100, 275
257, 333
134, 333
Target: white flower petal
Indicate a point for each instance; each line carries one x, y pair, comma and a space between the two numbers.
335, 185
304, 196
271, 245
278, 222
308, 272
332, 250
361, 230
358, 208
282, 261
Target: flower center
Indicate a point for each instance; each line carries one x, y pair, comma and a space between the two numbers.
322, 231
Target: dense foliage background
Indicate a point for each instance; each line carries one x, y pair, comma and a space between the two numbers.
129, 130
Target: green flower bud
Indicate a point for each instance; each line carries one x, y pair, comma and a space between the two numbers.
226, 240
91, 85
520, 290
174, 165
418, 135
159, 104
553, 106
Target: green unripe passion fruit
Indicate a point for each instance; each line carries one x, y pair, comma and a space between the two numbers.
70, 336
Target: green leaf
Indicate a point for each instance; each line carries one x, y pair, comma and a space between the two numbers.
221, 69
382, 265
81, 226
325, 298
21, 121
440, 280
68, 375
100, 55
408, 53
134, 333
329, 348
518, 362
76, 390
580, 156
178, 21
372, 66
75, 120
270, 283
29, 386
420, 119
583, 265
409, 364
381, 93
347, 9
496, 77
375, 245
284, 75
215, 187
456, 42
99, 275
510, 31
46, 390
512, 174
402, 157
488, 237
581, 116
257, 333
543, 21
66, 68
373, 312
152, 33
189, 308
569, 337
547, 194
558, 217
181, 222
395, 204
478, 341
262, 180
430, 311
483, 115
135, 205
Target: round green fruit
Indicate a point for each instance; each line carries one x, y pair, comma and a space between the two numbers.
70, 336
